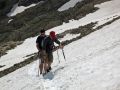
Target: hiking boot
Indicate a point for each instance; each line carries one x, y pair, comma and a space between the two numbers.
49, 69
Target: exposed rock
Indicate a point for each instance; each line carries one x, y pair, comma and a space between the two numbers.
6, 6
28, 2
2, 66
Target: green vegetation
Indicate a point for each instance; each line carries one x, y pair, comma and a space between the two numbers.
43, 15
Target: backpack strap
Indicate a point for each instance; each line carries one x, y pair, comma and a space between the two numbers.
43, 43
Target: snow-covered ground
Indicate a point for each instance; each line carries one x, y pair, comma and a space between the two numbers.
18, 9
69, 4
107, 11
69, 37
10, 20
19, 53
93, 62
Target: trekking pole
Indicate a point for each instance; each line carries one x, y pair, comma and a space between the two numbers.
38, 65
63, 54
58, 56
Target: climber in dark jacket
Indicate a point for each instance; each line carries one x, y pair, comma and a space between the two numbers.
45, 46
41, 52
50, 47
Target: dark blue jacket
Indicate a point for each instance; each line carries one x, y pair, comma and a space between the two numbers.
48, 43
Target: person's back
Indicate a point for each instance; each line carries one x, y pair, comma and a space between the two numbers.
49, 47
50, 44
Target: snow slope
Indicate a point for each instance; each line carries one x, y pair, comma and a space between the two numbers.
69, 4
93, 63
107, 11
69, 36
18, 9
19, 53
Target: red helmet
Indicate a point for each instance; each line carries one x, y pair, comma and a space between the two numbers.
52, 34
